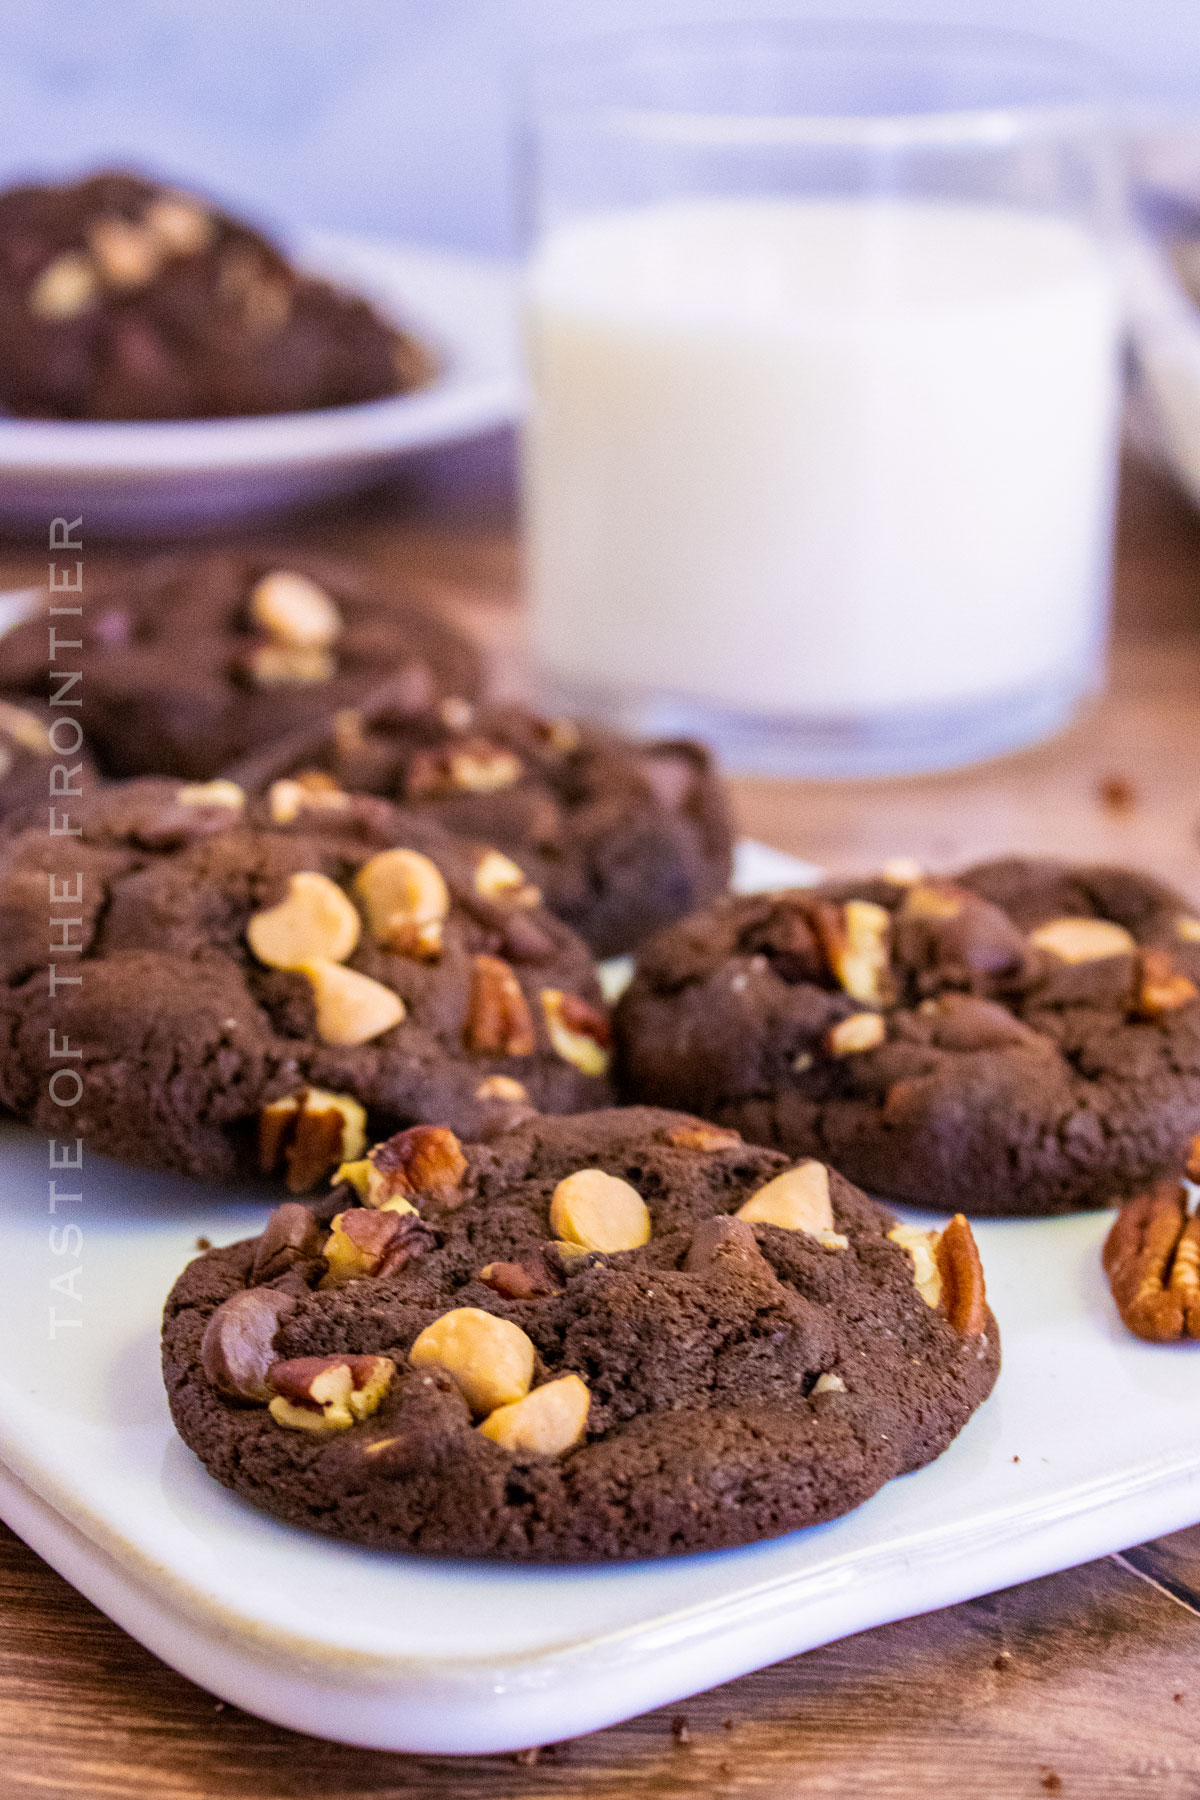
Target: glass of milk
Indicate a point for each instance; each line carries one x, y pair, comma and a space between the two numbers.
822, 330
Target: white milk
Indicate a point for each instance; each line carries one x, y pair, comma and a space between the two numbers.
819, 457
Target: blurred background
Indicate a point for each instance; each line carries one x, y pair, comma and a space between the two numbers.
394, 116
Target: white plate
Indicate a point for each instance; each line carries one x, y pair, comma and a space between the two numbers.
147, 478
1090, 1442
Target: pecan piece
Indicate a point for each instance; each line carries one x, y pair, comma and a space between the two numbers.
499, 1022
426, 1162
529, 1279
856, 939
963, 1293
328, 1393
363, 1241
1162, 989
579, 1032
310, 1134
1152, 1260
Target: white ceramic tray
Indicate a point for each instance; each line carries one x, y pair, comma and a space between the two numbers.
150, 478
1090, 1442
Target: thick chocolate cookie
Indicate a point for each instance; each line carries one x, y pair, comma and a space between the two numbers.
1022, 1038
565, 1346
28, 759
620, 836
238, 995
192, 660
123, 299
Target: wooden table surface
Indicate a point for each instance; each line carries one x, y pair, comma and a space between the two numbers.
1085, 1683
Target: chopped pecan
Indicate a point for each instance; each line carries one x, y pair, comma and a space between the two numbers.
856, 939
579, 1032
310, 1134
424, 1163
1152, 1260
963, 1293
529, 1279
472, 766
1162, 989
328, 1393
499, 1022
364, 1241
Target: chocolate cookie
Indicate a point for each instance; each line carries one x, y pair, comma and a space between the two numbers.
237, 994
123, 299
29, 759
1022, 1038
192, 660
620, 836
616, 1335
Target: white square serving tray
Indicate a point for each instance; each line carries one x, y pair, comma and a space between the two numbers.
1090, 1442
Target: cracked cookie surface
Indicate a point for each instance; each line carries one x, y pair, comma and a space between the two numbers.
227, 965
1021, 1038
741, 1379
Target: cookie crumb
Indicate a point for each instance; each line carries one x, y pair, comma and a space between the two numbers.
525, 1759
203, 1243
1116, 794
1001, 1662
680, 1730
1016, 1459
1178, 1698
727, 1724
1051, 1782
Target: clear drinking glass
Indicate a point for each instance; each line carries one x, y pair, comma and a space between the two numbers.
822, 328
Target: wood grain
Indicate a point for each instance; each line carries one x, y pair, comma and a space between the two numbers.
1084, 1684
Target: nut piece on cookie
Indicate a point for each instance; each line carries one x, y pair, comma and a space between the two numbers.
474, 766
425, 1163
1152, 1260
708, 1138
499, 1022
856, 939
947, 1271
1082, 940
828, 1384
1188, 929
212, 793
310, 1134
724, 1242
406, 901
797, 1200
579, 1032
314, 920
27, 730
852, 1036
238, 1346
498, 877
547, 1422
359, 1240
1162, 988
503, 1087
599, 1212
351, 1008
294, 611
529, 1279
328, 1393
280, 665
310, 791
490, 1360
181, 227
127, 255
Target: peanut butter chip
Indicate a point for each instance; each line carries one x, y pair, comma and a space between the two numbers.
546, 1422
489, 1359
1083, 940
351, 1008
314, 921
498, 877
599, 1212
294, 611
797, 1200
860, 1032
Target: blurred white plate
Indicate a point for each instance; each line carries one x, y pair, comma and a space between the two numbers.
159, 477
1090, 1442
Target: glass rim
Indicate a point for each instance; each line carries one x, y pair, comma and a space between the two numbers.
1084, 103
